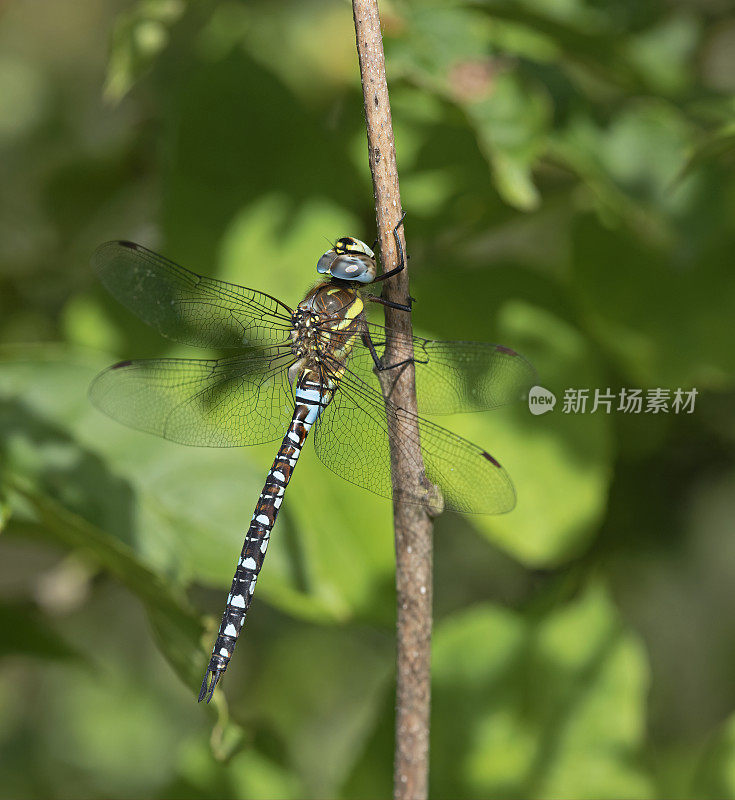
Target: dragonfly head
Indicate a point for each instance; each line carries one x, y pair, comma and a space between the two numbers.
349, 260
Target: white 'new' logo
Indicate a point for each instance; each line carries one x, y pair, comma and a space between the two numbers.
540, 400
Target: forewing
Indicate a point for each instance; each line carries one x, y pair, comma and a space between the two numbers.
187, 307
226, 402
351, 438
453, 377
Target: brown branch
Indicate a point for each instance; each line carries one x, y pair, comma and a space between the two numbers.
412, 523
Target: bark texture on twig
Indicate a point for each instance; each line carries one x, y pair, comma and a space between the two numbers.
413, 525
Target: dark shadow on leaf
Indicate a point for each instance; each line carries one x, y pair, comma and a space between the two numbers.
64, 470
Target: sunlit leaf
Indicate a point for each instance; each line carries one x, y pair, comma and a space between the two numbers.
545, 707
560, 462
714, 775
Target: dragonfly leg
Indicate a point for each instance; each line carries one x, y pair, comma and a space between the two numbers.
391, 304
401, 259
379, 366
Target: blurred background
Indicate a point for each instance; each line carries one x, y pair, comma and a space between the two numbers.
567, 167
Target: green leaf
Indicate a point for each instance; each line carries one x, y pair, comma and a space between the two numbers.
714, 147
268, 231
23, 631
140, 35
545, 707
680, 341
130, 730
178, 629
183, 510
321, 690
560, 463
510, 126
248, 773
582, 36
450, 51
177, 512
5, 509
663, 52
715, 774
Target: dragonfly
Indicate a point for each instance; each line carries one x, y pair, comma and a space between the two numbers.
286, 371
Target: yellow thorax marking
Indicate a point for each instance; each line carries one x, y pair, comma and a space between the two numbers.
355, 308
351, 312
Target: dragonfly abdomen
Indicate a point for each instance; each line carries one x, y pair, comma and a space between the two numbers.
312, 397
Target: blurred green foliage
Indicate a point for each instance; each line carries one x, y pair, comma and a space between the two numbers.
568, 170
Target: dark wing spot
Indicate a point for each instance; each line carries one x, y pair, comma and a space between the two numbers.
375, 100
129, 245
491, 459
121, 364
502, 349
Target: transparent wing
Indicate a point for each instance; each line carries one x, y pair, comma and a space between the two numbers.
351, 439
187, 307
226, 402
452, 377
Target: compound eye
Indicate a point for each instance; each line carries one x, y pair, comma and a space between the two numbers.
325, 262
358, 268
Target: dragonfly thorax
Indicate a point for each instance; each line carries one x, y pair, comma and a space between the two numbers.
349, 260
326, 324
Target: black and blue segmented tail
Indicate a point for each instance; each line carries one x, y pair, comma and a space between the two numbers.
311, 399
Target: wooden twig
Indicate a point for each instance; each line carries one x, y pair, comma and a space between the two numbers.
412, 523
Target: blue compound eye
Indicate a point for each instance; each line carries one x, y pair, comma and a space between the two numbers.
325, 262
358, 268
